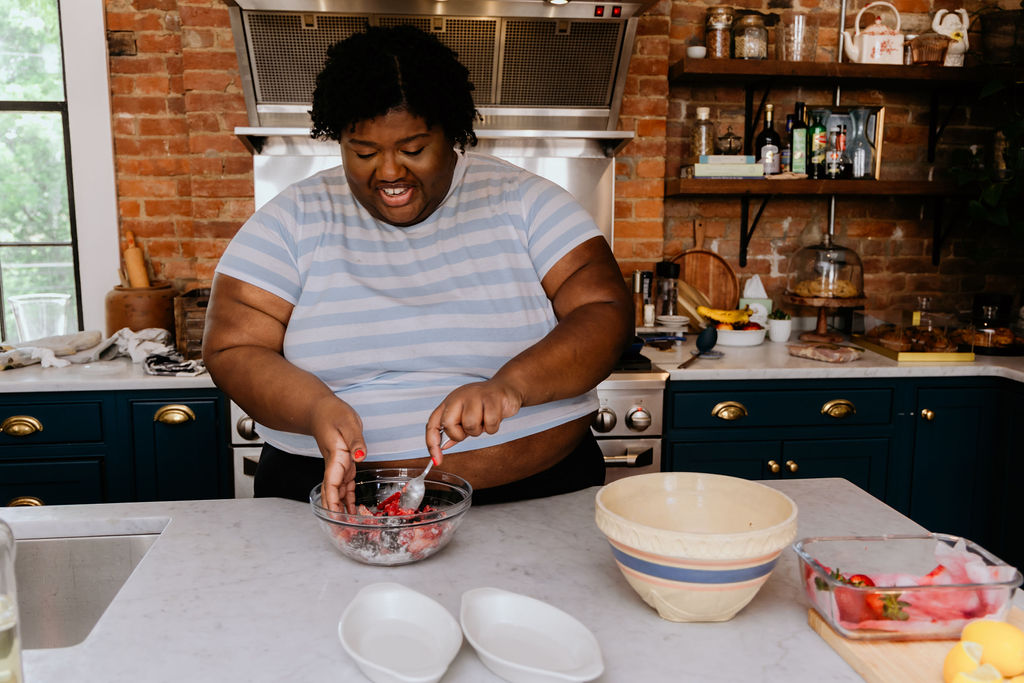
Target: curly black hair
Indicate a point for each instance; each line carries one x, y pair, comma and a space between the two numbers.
369, 74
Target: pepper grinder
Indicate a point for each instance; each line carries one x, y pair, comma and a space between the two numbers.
667, 273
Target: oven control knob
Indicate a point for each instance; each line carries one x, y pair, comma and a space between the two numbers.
246, 427
604, 421
638, 419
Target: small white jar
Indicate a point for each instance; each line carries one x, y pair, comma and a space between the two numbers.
779, 330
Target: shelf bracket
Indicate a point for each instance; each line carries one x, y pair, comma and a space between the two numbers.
939, 234
746, 231
750, 117
935, 128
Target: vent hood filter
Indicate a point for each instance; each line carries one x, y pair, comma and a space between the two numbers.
533, 75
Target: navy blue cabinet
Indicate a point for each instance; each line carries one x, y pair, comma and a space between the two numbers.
951, 486
943, 451
967, 456
775, 429
115, 446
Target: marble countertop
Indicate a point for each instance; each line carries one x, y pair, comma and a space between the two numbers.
768, 361
237, 590
771, 360
119, 374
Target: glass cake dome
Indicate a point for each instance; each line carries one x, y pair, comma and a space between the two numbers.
825, 271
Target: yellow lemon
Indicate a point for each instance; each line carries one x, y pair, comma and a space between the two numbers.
986, 673
1002, 644
1015, 679
964, 656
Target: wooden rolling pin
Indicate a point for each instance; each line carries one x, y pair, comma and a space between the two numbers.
135, 263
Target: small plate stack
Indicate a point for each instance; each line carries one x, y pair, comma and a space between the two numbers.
671, 321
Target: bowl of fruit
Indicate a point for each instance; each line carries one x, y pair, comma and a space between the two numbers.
904, 587
735, 328
380, 532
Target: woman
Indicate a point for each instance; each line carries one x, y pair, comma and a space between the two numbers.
416, 292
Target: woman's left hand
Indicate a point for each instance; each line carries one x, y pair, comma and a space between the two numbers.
471, 410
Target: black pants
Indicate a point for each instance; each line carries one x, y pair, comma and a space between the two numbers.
286, 475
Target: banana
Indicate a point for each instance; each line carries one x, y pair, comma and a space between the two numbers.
718, 315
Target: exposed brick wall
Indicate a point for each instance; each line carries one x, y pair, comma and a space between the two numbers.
893, 236
185, 181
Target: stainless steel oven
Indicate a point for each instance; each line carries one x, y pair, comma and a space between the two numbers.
628, 427
628, 424
246, 446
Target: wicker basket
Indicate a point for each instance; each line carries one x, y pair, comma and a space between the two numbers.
189, 321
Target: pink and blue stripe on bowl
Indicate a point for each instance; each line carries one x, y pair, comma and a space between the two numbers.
706, 573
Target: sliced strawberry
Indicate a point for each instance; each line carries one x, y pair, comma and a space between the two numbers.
887, 606
860, 580
853, 608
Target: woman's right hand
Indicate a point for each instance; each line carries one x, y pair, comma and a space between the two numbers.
339, 435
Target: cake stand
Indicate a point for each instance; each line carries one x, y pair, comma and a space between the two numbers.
823, 304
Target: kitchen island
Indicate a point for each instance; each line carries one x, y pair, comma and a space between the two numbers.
251, 590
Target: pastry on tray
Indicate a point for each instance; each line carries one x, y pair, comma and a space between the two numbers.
811, 289
918, 338
999, 337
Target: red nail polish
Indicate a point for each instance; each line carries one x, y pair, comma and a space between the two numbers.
359, 454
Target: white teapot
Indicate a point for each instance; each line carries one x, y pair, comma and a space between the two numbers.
953, 25
877, 44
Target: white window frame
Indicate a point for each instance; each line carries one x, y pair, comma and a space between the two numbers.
87, 85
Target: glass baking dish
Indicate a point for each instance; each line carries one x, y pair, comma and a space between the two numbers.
904, 587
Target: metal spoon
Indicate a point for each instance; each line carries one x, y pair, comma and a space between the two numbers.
414, 489
706, 341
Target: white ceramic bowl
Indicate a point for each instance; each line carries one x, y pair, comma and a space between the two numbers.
525, 640
696, 51
397, 635
741, 337
695, 547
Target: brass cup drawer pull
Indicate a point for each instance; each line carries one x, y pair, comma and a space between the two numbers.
774, 467
839, 409
25, 501
174, 414
729, 410
21, 425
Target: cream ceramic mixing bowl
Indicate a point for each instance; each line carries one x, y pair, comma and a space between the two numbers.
695, 547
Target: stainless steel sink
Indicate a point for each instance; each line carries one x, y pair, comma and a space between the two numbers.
65, 584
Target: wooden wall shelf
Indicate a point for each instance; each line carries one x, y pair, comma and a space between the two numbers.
757, 70
957, 83
681, 187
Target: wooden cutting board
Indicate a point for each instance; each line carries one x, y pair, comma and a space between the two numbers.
709, 272
886, 661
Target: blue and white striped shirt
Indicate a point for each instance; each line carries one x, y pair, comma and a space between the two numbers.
393, 319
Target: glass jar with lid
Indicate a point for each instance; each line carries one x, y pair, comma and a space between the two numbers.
750, 37
703, 135
718, 31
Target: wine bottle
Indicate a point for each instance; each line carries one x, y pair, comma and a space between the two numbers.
799, 140
833, 156
768, 144
817, 142
786, 162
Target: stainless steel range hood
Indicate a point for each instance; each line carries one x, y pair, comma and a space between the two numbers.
543, 73
549, 81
